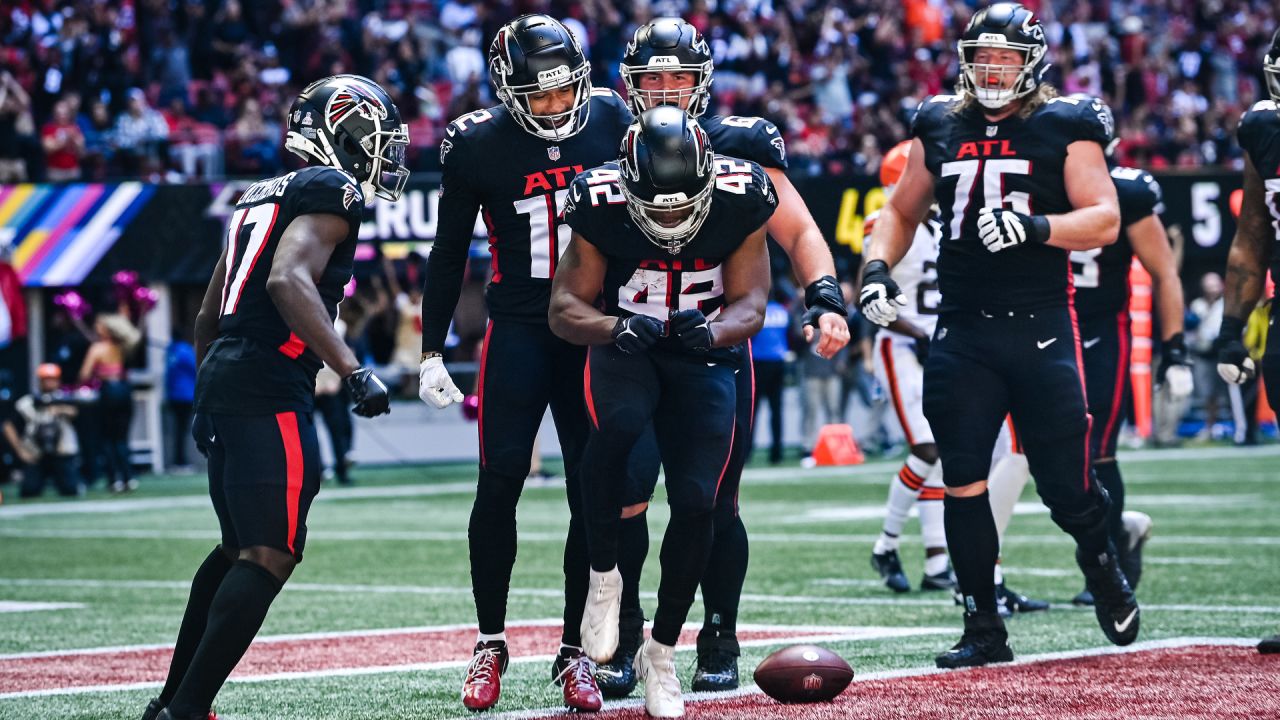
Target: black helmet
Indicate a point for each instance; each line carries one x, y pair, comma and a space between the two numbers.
668, 45
668, 176
1004, 25
534, 54
349, 122
1271, 67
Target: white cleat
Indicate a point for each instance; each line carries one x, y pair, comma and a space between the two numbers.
600, 617
656, 668
1137, 525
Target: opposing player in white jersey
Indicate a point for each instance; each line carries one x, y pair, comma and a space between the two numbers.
899, 364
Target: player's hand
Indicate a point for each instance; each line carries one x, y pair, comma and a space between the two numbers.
1002, 229
1234, 364
435, 387
881, 298
368, 392
826, 315
1175, 368
637, 333
921, 347
693, 330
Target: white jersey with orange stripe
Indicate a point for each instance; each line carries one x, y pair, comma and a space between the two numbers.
917, 276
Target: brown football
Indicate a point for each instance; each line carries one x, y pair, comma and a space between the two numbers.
803, 674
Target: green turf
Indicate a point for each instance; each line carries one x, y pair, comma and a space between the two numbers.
1216, 547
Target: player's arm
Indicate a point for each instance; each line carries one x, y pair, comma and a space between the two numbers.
296, 269
1246, 278
572, 313
891, 238
793, 228
447, 262
1095, 221
746, 292
206, 330
1151, 245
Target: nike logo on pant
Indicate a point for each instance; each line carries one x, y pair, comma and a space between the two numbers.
1090, 343
1046, 343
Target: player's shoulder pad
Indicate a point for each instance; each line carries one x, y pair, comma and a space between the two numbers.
931, 111
593, 195
323, 189
744, 188
1074, 119
477, 123
752, 138
1139, 193
608, 103
1261, 120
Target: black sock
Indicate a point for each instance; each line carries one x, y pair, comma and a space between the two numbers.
685, 549
491, 540
1109, 476
723, 579
577, 580
235, 616
974, 545
633, 547
203, 587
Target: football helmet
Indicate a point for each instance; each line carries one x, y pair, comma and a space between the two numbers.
1271, 67
1004, 25
533, 54
668, 176
668, 45
350, 123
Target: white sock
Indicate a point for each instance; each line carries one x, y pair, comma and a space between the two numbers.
932, 530
936, 564
1008, 478
999, 574
500, 637
903, 491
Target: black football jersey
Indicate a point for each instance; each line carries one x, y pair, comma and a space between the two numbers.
257, 365
1259, 136
749, 138
1016, 163
643, 278
1102, 274
521, 183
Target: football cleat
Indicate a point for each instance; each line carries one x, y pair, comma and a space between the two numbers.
890, 569
483, 684
600, 617
575, 673
1270, 646
656, 668
164, 714
1016, 602
154, 708
945, 580
617, 678
984, 641
1083, 599
1113, 600
717, 671
1137, 527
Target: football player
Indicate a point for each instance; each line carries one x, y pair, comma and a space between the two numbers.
675, 236
264, 328
1253, 250
516, 161
1021, 180
1102, 303
668, 62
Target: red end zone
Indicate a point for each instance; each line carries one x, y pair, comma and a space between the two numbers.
1202, 682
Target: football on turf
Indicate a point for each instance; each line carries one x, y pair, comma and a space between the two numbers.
803, 674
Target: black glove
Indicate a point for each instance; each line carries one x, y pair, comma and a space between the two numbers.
1234, 364
693, 330
368, 392
921, 346
881, 296
1172, 352
637, 333
821, 297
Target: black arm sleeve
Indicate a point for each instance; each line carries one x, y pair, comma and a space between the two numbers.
446, 265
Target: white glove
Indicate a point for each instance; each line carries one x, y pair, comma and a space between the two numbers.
1180, 381
880, 298
435, 387
1001, 229
1238, 373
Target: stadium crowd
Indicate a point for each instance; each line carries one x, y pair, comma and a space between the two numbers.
172, 89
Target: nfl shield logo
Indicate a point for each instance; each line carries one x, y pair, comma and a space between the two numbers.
992, 130
553, 152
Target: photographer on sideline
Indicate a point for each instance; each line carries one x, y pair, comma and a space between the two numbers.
44, 438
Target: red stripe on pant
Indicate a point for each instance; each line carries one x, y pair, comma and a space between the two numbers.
484, 355
586, 391
1122, 368
288, 422
886, 354
1015, 444
733, 429
1075, 336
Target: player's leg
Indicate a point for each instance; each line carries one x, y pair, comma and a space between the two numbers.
1050, 412
718, 649
900, 373
621, 395
965, 400
938, 574
271, 474
695, 424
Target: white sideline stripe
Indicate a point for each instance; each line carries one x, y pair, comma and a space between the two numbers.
15, 606
851, 634
908, 672
1042, 572
1187, 561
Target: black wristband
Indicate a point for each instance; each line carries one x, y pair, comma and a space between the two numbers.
825, 293
878, 267
1039, 228
1232, 328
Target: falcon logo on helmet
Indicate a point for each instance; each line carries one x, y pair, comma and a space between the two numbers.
668, 176
350, 99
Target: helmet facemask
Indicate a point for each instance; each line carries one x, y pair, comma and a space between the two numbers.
975, 77
1271, 71
555, 126
693, 100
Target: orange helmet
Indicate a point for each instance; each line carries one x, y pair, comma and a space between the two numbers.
894, 163
48, 371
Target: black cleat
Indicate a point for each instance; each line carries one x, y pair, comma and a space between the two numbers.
617, 678
984, 641
717, 669
154, 708
1083, 599
1015, 602
166, 715
945, 580
1270, 646
890, 569
1113, 600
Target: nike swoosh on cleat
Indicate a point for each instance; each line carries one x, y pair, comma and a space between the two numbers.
1122, 626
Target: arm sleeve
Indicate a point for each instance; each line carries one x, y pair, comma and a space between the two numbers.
459, 203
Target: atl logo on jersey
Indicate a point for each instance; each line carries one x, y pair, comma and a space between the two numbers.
985, 148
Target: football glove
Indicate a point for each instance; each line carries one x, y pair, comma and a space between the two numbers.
1175, 368
368, 392
880, 298
1001, 229
1234, 364
637, 333
821, 297
693, 330
435, 387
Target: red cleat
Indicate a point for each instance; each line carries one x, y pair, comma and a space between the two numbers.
483, 684
576, 673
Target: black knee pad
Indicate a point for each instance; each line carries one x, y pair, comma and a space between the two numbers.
960, 469
498, 492
1083, 513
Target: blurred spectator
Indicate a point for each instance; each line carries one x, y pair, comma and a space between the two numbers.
63, 144
41, 433
769, 358
1206, 320
194, 146
15, 108
104, 365
138, 135
253, 144
180, 393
